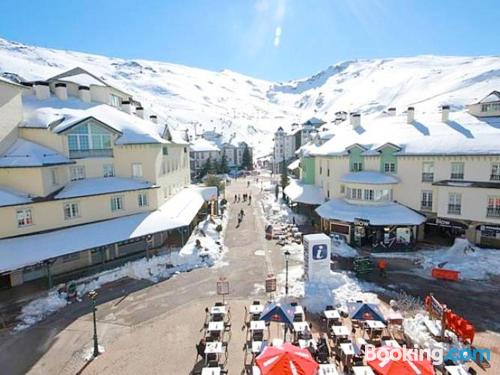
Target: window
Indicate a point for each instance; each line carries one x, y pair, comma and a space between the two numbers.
495, 172
389, 167
354, 193
320, 169
457, 171
108, 170
493, 207
368, 194
117, 203
142, 199
71, 210
136, 170
84, 138
428, 172
493, 107
24, 217
77, 172
357, 166
115, 100
426, 203
54, 176
165, 150
342, 189
454, 203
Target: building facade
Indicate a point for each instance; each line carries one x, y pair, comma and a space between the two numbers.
443, 167
75, 151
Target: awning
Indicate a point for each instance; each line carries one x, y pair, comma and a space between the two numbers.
177, 212
294, 164
304, 193
376, 214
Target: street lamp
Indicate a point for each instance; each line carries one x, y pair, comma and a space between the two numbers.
93, 296
287, 257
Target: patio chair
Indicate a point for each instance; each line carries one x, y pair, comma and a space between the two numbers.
219, 304
294, 304
256, 303
329, 307
471, 371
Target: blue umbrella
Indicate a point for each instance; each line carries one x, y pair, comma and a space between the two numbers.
276, 312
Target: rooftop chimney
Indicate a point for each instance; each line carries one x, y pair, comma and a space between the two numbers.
154, 118
84, 93
410, 115
139, 111
42, 90
445, 113
127, 106
355, 120
391, 111
61, 91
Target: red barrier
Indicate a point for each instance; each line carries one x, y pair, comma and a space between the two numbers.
444, 274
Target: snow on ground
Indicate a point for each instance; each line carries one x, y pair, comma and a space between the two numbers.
337, 287
473, 263
278, 211
342, 249
190, 256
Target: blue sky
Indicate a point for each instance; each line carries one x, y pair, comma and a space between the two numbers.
269, 39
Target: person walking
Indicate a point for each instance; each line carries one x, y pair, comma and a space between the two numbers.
235, 197
240, 218
382, 265
242, 213
239, 198
249, 199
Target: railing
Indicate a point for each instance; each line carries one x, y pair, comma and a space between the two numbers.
457, 176
495, 177
454, 209
493, 212
426, 205
427, 177
80, 154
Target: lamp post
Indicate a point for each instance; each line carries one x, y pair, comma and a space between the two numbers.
287, 257
93, 296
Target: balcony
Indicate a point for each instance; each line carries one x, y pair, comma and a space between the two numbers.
454, 209
427, 177
81, 154
426, 206
493, 212
495, 177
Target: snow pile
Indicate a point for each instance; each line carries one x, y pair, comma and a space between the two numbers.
472, 262
153, 269
420, 330
337, 288
279, 212
342, 249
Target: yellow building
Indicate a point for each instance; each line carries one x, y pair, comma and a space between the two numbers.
390, 179
86, 177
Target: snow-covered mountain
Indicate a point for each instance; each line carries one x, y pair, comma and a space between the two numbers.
250, 109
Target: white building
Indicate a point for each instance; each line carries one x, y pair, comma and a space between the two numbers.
86, 179
387, 172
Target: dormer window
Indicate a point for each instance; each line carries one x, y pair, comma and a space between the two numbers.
89, 140
357, 166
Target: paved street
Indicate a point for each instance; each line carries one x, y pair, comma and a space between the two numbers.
152, 328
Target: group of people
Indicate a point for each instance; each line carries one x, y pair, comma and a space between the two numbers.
245, 197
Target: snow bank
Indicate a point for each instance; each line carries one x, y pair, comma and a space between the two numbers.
342, 249
473, 263
279, 212
153, 269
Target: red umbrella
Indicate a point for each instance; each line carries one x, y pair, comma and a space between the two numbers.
410, 366
286, 359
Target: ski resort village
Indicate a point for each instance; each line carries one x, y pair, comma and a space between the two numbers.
162, 219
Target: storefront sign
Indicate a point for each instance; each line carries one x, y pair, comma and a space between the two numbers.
222, 287
361, 222
270, 283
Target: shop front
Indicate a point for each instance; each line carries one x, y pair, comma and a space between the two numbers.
488, 235
384, 227
443, 230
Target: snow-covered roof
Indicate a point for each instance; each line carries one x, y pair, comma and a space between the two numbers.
202, 144
25, 153
8, 81
304, 193
82, 79
427, 135
377, 214
294, 164
177, 212
11, 197
369, 177
492, 97
60, 115
101, 185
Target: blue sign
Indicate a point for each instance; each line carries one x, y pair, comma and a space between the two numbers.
319, 252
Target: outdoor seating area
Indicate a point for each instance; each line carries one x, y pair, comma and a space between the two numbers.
285, 234
277, 334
